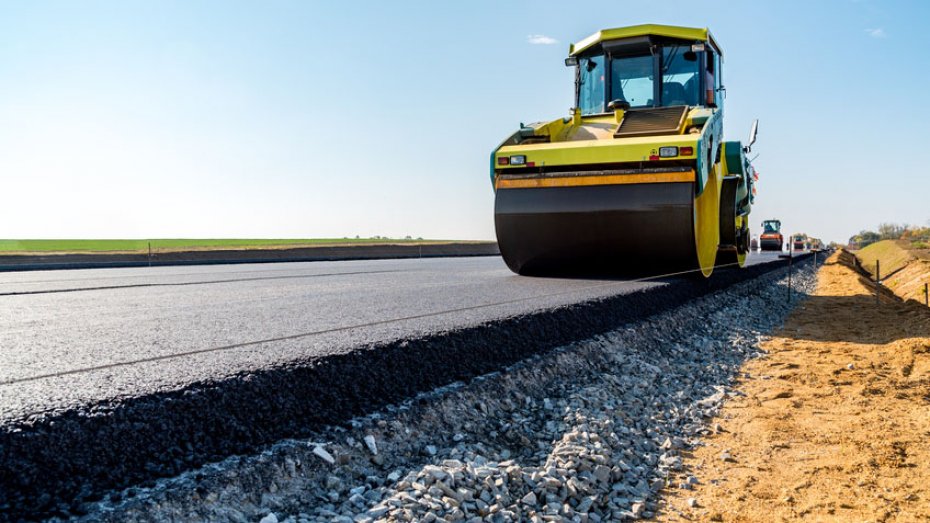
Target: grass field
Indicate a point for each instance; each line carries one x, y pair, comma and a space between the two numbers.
187, 244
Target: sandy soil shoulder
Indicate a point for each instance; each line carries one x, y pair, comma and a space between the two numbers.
832, 425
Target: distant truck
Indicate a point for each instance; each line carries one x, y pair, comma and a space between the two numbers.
798, 244
754, 244
771, 239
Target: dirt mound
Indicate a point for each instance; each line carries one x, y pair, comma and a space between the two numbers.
908, 283
903, 270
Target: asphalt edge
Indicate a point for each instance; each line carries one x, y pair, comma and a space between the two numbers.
17, 263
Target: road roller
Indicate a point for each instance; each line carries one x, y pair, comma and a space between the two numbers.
772, 239
637, 179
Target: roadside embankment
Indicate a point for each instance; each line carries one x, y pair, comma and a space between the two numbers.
589, 431
832, 424
904, 271
40, 261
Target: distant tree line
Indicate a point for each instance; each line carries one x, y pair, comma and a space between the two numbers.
918, 236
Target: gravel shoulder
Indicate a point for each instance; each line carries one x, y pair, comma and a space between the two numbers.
591, 431
831, 425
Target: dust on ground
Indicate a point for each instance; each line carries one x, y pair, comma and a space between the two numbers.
832, 425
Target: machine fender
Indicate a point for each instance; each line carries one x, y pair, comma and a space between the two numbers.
735, 165
733, 153
709, 153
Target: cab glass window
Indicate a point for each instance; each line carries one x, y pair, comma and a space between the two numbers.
631, 80
591, 85
680, 76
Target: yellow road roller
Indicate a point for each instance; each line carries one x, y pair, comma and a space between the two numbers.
637, 179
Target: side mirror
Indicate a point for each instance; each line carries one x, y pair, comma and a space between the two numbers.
753, 132
571, 61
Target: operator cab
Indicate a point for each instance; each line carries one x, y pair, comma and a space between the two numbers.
770, 226
646, 71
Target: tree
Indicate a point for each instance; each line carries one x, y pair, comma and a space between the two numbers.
864, 239
891, 231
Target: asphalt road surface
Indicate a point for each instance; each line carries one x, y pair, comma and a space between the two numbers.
70, 338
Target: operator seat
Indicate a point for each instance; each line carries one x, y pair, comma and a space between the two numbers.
691, 91
673, 93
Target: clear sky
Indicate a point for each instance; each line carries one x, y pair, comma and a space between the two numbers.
329, 119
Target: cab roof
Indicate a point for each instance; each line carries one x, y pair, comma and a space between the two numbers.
668, 31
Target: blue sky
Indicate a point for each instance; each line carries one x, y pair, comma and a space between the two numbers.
330, 119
